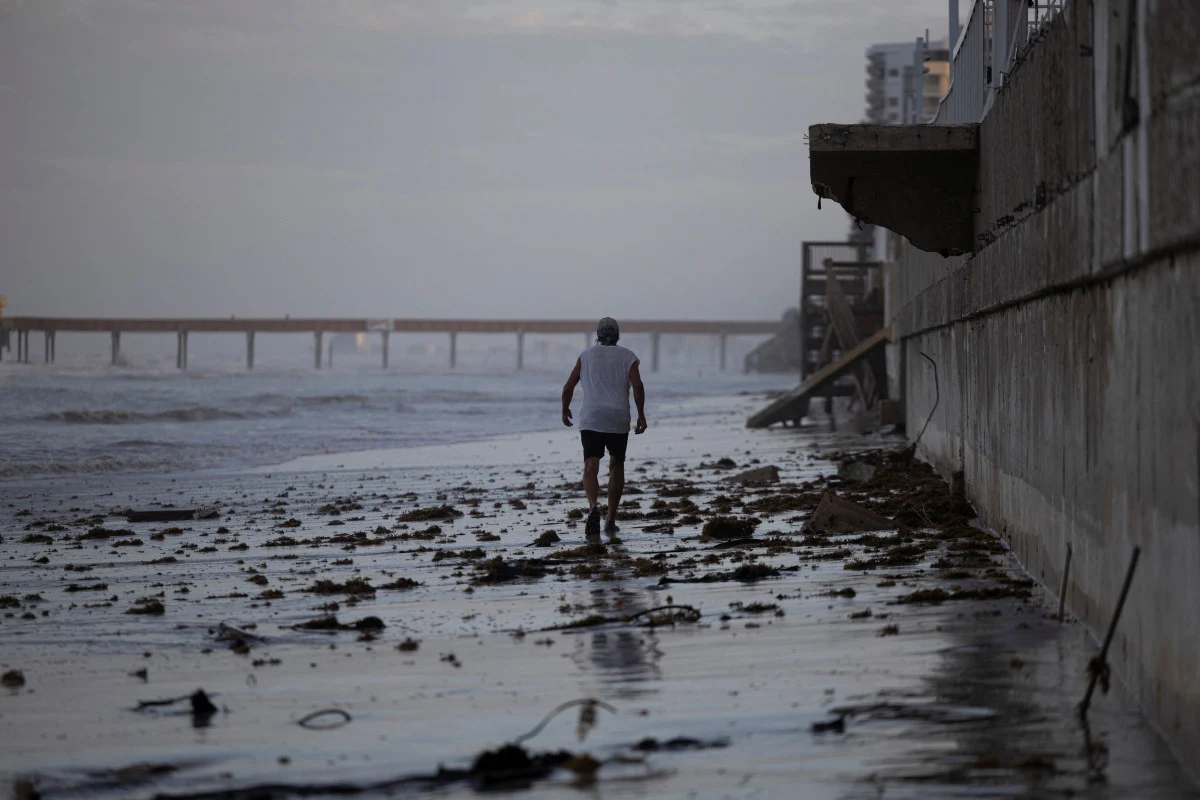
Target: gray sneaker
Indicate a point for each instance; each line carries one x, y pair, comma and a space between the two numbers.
593, 523
610, 527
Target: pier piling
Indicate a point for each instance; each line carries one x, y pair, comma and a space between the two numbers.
655, 336
520, 350
316, 349
453, 348
385, 336
181, 349
116, 347
249, 349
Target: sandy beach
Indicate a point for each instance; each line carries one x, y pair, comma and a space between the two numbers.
913, 662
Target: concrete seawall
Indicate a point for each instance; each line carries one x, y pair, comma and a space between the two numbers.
1068, 345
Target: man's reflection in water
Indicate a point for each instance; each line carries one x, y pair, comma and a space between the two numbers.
625, 659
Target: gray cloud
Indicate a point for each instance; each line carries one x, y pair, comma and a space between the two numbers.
373, 157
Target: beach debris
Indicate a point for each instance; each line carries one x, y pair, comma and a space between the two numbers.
926, 712
587, 718
401, 583
170, 514
729, 527
546, 539
13, 679
325, 623
935, 595
203, 708
330, 622
325, 720
720, 463
837, 725
748, 573
200, 706
856, 471
767, 474
443, 512
677, 744
837, 515
409, 645
497, 570
355, 587
239, 640
134, 773
147, 606
103, 533
655, 617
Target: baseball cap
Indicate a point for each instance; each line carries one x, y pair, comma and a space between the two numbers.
608, 331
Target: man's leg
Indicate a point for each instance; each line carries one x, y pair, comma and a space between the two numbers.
591, 481
593, 449
616, 485
616, 444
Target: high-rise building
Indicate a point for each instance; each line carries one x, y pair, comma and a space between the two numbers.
905, 81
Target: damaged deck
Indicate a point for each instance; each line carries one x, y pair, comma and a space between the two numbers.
792, 406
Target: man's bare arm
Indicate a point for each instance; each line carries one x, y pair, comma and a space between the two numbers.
639, 397
569, 391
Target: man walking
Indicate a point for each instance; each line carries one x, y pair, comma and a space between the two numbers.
607, 372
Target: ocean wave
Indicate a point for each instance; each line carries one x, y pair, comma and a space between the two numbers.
25, 469
312, 400
114, 416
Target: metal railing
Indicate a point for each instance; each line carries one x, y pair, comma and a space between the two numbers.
985, 50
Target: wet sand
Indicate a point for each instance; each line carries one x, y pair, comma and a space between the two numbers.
969, 695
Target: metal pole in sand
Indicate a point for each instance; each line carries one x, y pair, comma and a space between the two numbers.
1098, 666
1062, 592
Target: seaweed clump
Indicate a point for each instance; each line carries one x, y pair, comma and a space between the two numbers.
497, 570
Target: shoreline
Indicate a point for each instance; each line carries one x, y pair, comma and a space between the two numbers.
941, 703
147, 437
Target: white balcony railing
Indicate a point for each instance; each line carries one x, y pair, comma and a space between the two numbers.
984, 52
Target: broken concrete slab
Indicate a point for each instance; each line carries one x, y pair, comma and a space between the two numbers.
856, 471
837, 515
917, 180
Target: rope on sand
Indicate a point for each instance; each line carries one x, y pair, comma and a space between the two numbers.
307, 721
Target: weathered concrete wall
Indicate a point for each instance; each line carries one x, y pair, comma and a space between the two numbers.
1068, 345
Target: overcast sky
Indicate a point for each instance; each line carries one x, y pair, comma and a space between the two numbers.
572, 158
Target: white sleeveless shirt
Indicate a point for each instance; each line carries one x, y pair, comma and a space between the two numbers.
604, 379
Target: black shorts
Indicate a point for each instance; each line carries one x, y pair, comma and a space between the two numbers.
595, 442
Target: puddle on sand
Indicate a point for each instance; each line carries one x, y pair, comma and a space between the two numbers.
968, 698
